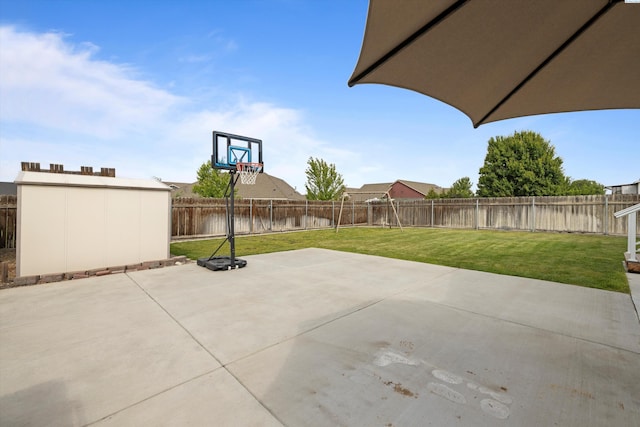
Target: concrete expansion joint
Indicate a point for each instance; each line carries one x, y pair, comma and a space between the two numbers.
106, 417
635, 307
222, 366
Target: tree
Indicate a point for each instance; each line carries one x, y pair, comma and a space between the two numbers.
461, 189
432, 194
584, 187
211, 182
523, 164
323, 181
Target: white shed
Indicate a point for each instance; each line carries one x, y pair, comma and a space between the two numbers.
72, 222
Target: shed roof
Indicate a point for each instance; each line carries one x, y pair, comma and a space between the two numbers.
69, 180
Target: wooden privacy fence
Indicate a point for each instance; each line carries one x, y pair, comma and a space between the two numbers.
579, 214
574, 214
8, 214
207, 217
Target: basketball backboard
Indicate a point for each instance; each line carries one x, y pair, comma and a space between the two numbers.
229, 149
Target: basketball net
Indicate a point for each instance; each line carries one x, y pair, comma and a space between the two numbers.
248, 172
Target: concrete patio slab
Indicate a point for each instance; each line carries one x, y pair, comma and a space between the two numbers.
634, 287
72, 353
408, 363
317, 337
215, 399
280, 296
589, 314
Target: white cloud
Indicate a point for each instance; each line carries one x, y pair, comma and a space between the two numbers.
50, 83
287, 141
59, 104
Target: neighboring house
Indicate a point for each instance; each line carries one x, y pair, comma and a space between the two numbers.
400, 189
368, 192
266, 187
181, 189
8, 189
633, 188
412, 190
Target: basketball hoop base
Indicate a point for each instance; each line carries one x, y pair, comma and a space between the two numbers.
221, 263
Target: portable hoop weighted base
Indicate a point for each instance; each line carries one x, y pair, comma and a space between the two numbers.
226, 262
233, 153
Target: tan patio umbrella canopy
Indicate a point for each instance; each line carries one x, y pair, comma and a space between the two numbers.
499, 59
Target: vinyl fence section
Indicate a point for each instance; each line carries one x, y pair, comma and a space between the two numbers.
8, 226
580, 214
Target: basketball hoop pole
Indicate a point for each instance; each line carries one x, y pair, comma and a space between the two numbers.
231, 218
233, 153
223, 262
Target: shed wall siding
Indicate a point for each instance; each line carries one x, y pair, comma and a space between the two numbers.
63, 229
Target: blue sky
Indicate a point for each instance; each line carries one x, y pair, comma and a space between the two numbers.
140, 85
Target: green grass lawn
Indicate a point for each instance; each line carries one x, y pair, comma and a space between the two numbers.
586, 260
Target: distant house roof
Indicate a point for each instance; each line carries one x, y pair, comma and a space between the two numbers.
8, 189
421, 187
368, 192
633, 188
181, 189
266, 187
373, 191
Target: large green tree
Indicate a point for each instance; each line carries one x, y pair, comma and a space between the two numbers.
584, 187
460, 189
522, 164
323, 181
211, 182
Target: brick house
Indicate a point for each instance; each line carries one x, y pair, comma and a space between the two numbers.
399, 190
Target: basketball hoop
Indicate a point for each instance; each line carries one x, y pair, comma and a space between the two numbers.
248, 172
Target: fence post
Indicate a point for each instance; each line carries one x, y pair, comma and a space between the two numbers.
271, 215
477, 214
431, 212
177, 221
606, 214
533, 213
353, 213
333, 213
250, 216
306, 212
6, 224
